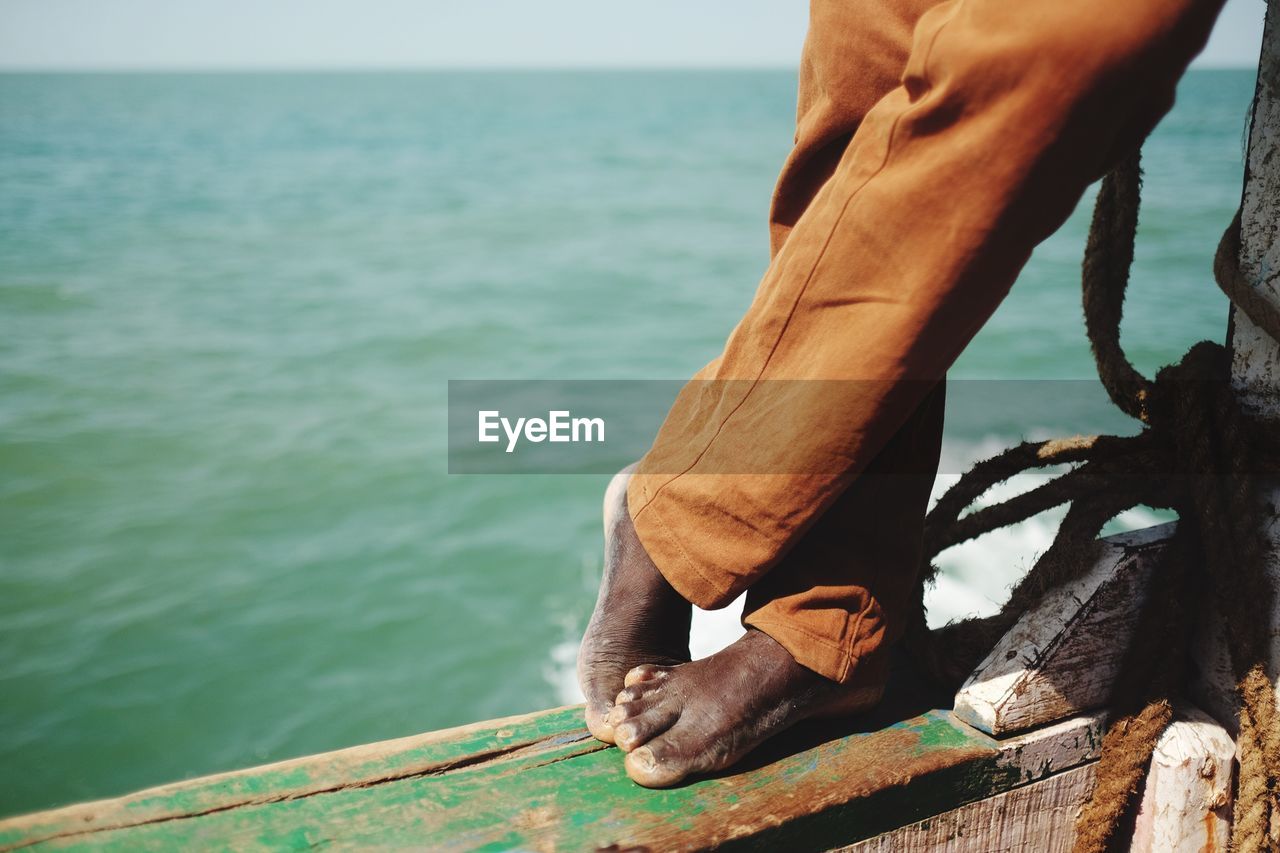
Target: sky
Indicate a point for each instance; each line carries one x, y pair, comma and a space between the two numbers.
370, 34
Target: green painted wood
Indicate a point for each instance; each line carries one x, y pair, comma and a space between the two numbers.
540, 782
434, 752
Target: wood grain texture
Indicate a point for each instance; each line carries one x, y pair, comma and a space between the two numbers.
1051, 749
1061, 657
1186, 804
1040, 817
528, 737
540, 783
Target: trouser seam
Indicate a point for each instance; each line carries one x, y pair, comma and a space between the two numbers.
721, 590
888, 153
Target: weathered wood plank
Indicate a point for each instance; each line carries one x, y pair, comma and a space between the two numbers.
1255, 366
1186, 804
1061, 658
540, 783
1038, 817
1185, 808
535, 736
1054, 748
1256, 358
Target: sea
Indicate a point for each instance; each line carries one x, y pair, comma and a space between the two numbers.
230, 305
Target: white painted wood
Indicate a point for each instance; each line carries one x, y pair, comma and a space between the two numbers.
1037, 817
1051, 749
1061, 657
1185, 808
1255, 357
1186, 804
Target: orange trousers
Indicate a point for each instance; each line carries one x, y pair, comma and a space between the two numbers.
936, 145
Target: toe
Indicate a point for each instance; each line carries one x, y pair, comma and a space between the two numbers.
597, 714
629, 707
655, 766
644, 724
636, 692
599, 682
645, 672
620, 713
692, 743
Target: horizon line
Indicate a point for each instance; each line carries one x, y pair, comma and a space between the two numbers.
411, 69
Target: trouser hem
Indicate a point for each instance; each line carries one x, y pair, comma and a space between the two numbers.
830, 660
691, 581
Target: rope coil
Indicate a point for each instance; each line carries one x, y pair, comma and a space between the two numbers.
1200, 455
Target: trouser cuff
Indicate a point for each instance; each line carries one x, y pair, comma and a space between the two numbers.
674, 563
829, 660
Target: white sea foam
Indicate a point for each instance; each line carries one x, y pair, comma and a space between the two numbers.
561, 672
975, 577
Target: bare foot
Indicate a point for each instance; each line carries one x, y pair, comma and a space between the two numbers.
700, 717
639, 618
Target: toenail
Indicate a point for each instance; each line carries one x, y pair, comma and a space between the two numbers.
644, 758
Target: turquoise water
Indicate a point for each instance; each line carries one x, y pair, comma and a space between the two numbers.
229, 306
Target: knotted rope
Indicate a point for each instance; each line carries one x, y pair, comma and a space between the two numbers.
1198, 454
